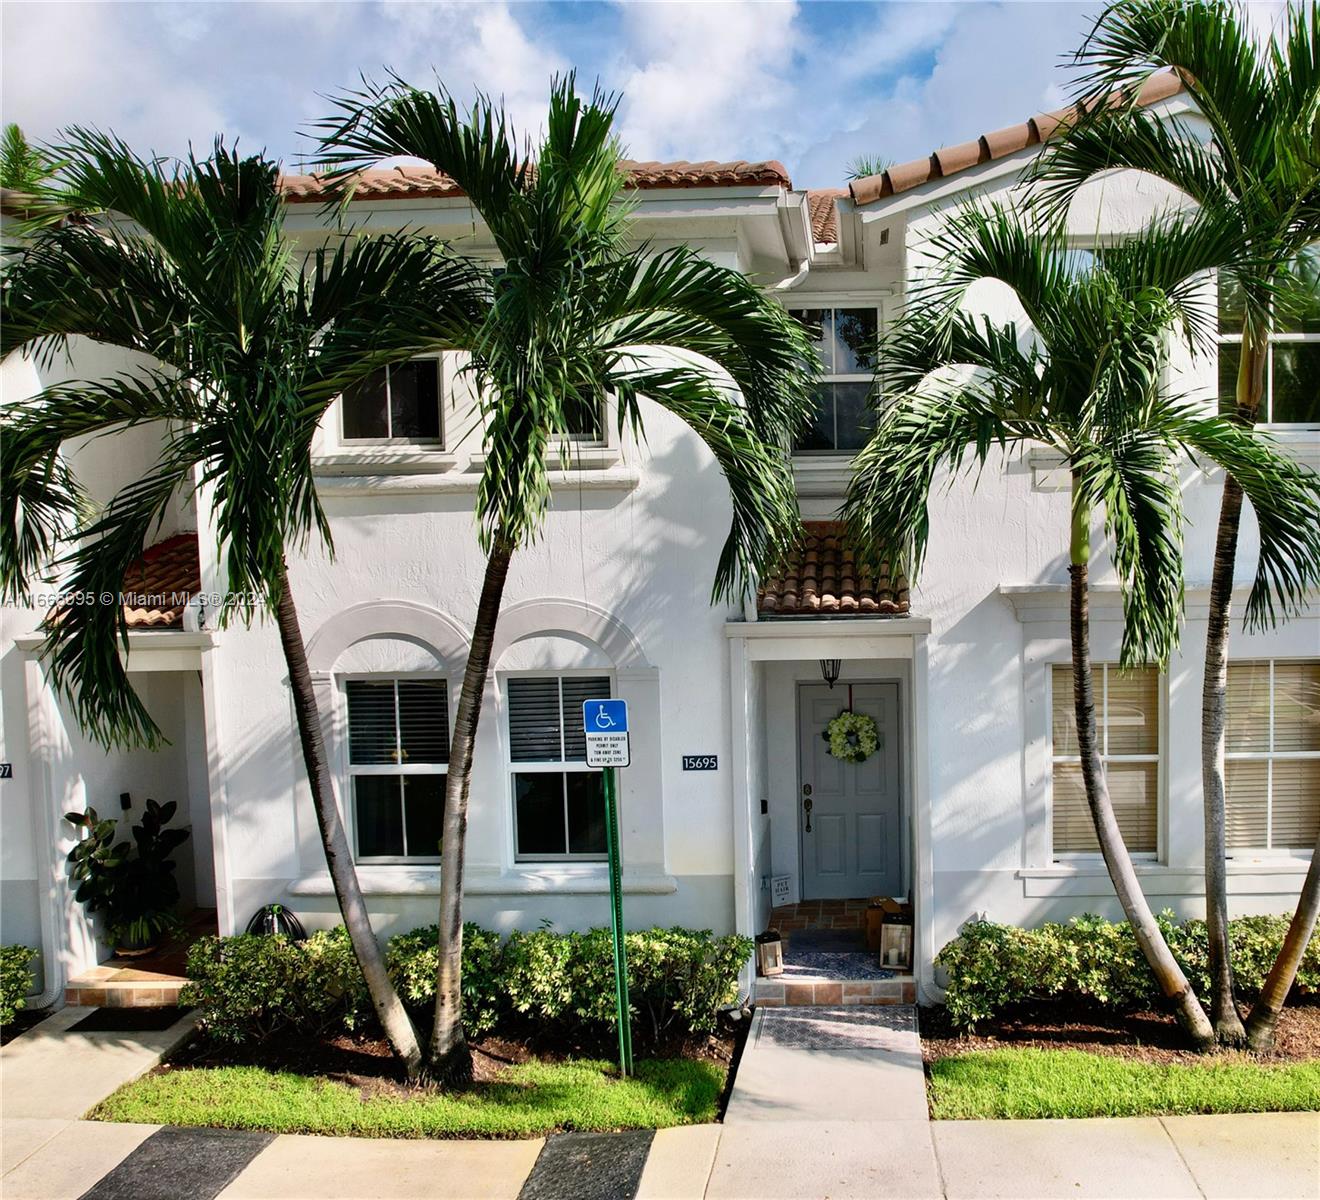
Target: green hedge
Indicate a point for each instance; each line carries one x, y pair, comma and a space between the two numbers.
15, 979
992, 967
249, 987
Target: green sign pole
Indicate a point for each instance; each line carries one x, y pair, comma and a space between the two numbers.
621, 1006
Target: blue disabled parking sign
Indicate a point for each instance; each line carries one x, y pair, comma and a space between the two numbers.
605, 723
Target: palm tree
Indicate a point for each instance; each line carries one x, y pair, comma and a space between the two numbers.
580, 321
1258, 169
1087, 383
23, 166
246, 346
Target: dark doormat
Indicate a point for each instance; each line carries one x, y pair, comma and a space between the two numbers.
828, 941
181, 1164
128, 1020
589, 1166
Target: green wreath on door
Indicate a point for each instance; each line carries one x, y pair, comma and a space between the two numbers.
852, 737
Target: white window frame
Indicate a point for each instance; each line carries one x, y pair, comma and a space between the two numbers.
353, 770
1269, 757
1276, 338
563, 767
1102, 728
832, 302
437, 443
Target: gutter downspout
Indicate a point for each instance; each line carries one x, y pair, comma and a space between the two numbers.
45, 838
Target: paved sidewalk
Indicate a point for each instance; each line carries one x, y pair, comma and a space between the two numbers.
801, 1124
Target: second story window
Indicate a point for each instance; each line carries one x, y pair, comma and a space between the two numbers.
398, 404
1292, 372
846, 339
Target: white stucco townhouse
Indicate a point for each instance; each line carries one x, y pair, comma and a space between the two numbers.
971, 805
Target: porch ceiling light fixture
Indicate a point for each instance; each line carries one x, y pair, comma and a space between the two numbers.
829, 670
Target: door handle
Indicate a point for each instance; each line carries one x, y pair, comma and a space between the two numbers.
807, 805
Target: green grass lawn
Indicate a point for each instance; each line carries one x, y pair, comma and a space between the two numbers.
1071, 1083
533, 1098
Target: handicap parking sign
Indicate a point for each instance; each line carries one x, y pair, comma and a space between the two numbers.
605, 722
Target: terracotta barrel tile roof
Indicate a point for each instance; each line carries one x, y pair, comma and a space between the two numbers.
822, 578
824, 214
387, 183
159, 585
991, 146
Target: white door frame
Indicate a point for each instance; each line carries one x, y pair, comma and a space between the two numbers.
753, 642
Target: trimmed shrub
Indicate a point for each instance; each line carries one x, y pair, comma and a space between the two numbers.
412, 958
15, 979
249, 987
678, 979
992, 967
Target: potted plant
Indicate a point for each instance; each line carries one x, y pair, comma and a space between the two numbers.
132, 885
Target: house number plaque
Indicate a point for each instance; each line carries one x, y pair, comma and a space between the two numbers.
701, 762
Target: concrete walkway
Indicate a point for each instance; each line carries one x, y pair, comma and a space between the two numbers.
801, 1124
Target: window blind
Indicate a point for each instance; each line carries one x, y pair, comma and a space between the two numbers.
397, 722
545, 717
1272, 744
1127, 726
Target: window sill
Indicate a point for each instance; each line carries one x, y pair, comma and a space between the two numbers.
823, 473
576, 879
370, 482
1275, 875
383, 462
582, 456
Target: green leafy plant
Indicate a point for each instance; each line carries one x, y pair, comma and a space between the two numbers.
250, 987
15, 979
131, 885
992, 967
412, 959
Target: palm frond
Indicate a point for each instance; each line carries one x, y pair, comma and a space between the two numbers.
1284, 495
765, 521
85, 637
1134, 482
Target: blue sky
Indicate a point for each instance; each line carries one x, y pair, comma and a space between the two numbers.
810, 83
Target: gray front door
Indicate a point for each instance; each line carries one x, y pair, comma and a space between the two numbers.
852, 835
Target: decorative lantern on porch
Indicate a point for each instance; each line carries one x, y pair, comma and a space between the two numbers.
769, 953
896, 941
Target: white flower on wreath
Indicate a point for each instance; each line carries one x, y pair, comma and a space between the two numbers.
852, 737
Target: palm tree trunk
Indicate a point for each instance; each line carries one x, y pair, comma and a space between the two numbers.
450, 1060
1278, 983
1223, 1003
1173, 983
348, 892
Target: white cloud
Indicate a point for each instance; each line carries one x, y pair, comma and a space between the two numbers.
82, 63
996, 64
696, 78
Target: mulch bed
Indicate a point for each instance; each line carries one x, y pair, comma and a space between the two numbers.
23, 1020
365, 1061
1141, 1036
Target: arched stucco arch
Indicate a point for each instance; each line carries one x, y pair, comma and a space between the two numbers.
576, 620
404, 620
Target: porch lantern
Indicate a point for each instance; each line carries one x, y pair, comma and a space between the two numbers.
769, 953
829, 670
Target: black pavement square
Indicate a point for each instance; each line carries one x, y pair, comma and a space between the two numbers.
589, 1166
181, 1164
